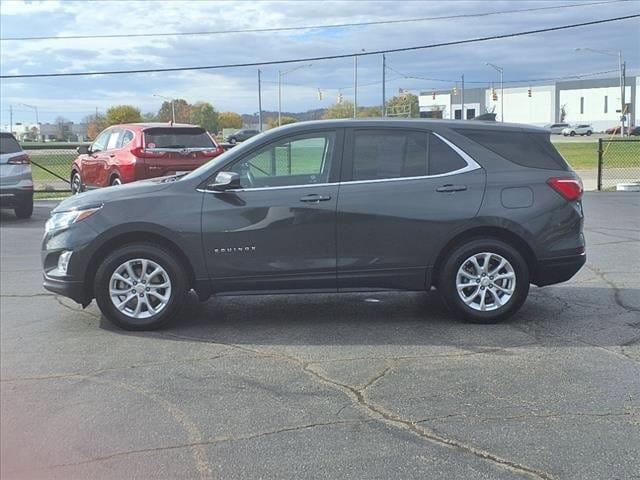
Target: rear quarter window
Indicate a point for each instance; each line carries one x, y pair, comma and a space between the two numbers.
8, 144
175, 137
529, 149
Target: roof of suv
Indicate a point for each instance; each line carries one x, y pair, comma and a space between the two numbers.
419, 123
142, 126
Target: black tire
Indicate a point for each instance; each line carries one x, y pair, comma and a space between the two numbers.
76, 183
115, 180
589, 132
448, 279
159, 255
573, 134
24, 207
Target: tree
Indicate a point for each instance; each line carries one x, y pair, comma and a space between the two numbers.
95, 124
63, 128
204, 115
339, 110
369, 112
122, 114
272, 122
563, 112
149, 117
229, 120
182, 109
403, 105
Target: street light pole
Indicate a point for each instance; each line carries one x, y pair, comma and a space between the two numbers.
500, 70
384, 81
621, 68
173, 108
37, 120
259, 102
280, 75
355, 86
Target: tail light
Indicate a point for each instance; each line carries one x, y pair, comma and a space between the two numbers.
569, 188
19, 160
142, 153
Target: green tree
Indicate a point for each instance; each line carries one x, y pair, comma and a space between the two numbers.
149, 117
404, 105
272, 122
204, 115
339, 110
122, 114
369, 112
182, 108
229, 120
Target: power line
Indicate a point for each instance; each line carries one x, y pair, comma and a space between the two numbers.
527, 80
314, 27
326, 57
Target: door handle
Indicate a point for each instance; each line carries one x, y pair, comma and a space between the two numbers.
315, 198
112, 155
451, 188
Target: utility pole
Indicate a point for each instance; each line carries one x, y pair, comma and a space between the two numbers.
279, 97
500, 70
623, 68
259, 102
462, 116
10, 118
384, 99
355, 86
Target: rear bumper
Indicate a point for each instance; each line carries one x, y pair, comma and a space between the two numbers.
557, 270
67, 288
10, 197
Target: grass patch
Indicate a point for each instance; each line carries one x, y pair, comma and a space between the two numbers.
617, 154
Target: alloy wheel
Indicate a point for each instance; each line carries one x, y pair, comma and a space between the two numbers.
486, 281
140, 288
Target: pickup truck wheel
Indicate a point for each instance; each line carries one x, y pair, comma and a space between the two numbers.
140, 286
484, 281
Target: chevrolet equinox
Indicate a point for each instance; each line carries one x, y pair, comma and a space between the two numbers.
478, 210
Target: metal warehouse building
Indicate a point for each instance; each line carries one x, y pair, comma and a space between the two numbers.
583, 101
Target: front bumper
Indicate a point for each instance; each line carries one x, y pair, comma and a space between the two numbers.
557, 270
67, 288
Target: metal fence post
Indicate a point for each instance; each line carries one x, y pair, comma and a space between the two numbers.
600, 164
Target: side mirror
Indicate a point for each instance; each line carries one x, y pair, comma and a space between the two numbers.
83, 149
225, 181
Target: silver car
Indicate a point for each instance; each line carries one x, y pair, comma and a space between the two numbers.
580, 129
16, 182
556, 128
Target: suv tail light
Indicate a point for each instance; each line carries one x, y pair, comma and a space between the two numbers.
19, 160
569, 188
142, 153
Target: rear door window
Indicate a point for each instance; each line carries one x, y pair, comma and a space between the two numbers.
177, 137
8, 144
529, 149
442, 158
380, 154
125, 138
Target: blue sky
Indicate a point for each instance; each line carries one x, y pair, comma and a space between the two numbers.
543, 55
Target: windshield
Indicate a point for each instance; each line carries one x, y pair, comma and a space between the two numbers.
213, 165
176, 137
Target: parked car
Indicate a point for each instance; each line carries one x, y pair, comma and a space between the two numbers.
635, 131
126, 153
242, 135
478, 210
556, 128
16, 182
581, 129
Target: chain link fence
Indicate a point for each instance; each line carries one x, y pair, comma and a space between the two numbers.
618, 163
51, 165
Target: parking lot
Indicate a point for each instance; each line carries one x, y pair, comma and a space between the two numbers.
327, 386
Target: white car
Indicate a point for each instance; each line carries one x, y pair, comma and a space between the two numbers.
582, 129
557, 128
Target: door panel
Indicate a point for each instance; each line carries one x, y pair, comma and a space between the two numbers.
278, 231
388, 229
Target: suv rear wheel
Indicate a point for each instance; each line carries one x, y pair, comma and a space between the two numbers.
76, 183
140, 286
484, 281
24, 206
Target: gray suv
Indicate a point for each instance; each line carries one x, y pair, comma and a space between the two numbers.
16, 182
477, 210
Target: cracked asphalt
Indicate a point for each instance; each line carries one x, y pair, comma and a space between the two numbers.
328, 386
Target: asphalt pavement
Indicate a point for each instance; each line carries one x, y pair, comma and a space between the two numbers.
328, 386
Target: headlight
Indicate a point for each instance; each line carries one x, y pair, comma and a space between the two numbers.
62, 220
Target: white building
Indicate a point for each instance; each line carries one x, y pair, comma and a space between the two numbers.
581, 101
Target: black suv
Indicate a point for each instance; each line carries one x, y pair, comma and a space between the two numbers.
242, 135
477, 210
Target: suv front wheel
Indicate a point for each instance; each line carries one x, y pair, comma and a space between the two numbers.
484, 281
140, 286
